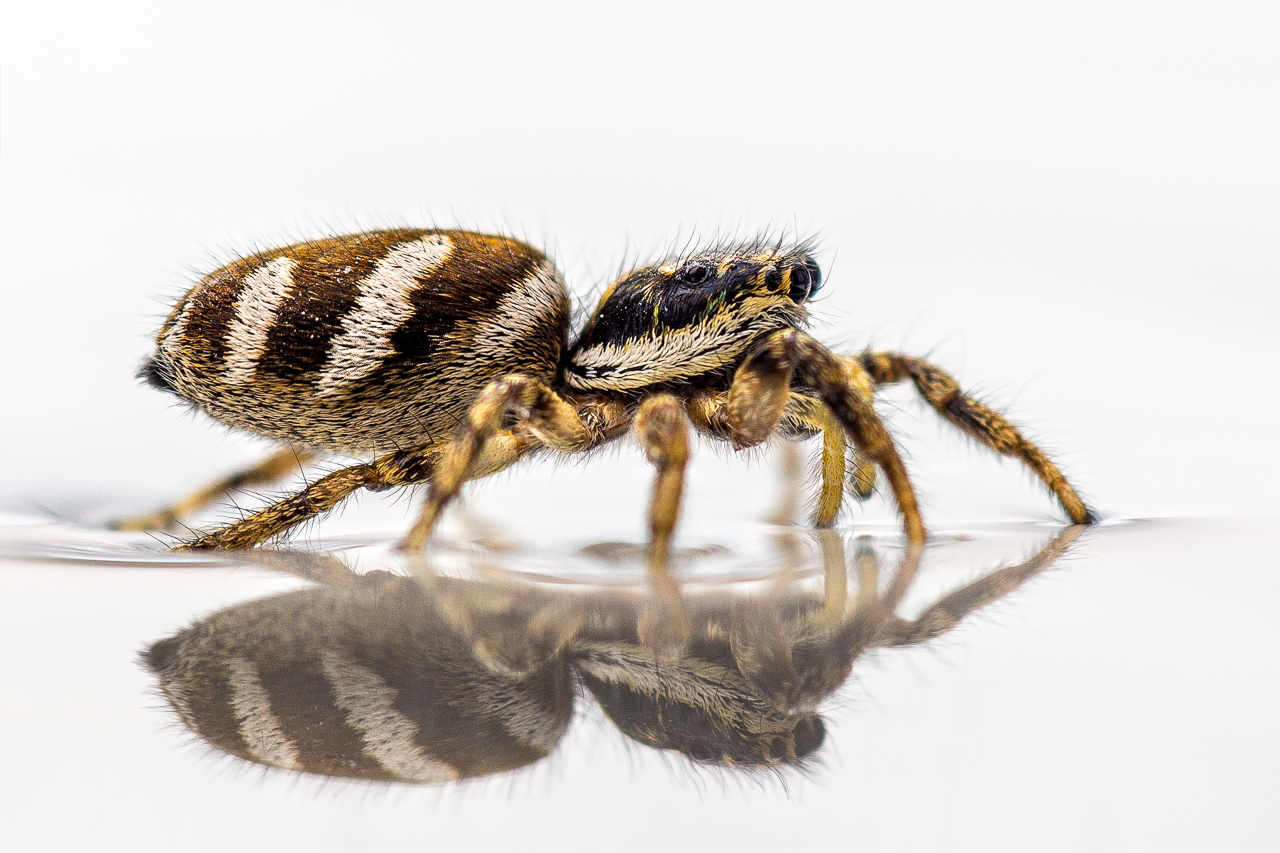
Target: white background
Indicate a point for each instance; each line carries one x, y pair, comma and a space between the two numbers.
1072, 205
1075, 206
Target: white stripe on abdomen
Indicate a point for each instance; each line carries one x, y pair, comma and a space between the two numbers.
383, 306
264, 291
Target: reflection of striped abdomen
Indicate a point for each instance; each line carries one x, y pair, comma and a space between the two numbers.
363, 343
360, 683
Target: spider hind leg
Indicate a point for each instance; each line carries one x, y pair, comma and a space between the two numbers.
394, 469
277, 466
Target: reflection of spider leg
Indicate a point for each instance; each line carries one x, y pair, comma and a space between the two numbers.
533, 405
279, 464
876, 609
763, 647
791, 471
976, 420
948, 611
835, 577
318, 567
829, 661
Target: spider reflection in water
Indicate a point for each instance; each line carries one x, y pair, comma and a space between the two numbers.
432, 679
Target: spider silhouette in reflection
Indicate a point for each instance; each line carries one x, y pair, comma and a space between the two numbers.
433, 679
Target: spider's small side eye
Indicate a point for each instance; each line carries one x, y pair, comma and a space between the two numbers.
695, 273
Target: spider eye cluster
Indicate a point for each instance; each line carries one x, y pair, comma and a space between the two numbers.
804, 275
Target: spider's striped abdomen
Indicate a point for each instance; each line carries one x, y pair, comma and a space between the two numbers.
363, 343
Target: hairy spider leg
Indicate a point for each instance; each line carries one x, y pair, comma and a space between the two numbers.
872, 611
662, 429
760, 392
803, 415
862, 476
828, 663
549, 417
861, 480
278, 465
862, 473
976, 420
809, 412
394, 469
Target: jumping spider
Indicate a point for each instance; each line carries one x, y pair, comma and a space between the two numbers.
446, 356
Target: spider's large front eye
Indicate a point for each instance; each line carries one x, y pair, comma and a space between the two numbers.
805, 279
695, 273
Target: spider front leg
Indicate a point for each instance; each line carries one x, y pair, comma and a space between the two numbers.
808, 413
841, 389
551, 419
804, 412
279, 464
802, 416
976, 420
761, 390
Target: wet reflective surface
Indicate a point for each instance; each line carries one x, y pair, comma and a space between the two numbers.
1019, 688
434, 679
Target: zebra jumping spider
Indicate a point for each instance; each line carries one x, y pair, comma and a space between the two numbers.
444, 356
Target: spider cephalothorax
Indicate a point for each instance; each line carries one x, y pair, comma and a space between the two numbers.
447, 352
691, 317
